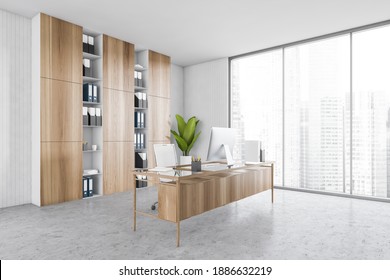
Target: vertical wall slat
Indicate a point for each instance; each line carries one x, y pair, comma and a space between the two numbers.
15, 109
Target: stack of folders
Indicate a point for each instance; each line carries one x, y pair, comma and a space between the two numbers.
92, 116
87, 70
88, 44
139, 141
141, 160
140, 100
90, 93
138, 82
139, 119
141, 181
87, 187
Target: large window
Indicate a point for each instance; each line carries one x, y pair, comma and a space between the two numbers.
257, 88
323, 117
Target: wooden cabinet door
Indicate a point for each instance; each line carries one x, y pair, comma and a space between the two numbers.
118, 64
61, 111
61, 172
159, 75
159, 119
118, 116
61, 50
118, 162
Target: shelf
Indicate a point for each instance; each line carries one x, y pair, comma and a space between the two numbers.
90, 79
140, 69
91, 56
92, 151
92, 126
140, 128
140, 108
94, 196
140, 150
139, 88
91, 103
89, 175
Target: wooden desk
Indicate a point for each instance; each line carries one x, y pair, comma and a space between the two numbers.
189, 194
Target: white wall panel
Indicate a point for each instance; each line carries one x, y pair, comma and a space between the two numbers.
15, 109
206, 97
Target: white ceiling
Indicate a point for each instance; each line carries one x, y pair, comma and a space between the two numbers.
201, 30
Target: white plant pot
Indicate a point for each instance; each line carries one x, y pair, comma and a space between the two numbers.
185, 160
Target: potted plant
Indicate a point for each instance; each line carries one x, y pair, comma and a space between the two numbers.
186, 137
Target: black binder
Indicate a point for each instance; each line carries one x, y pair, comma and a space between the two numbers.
85, 187
91, 45
90, 186
85, 115
98, 112
92, 116
87, 72
85, 92
85, 43
141, 160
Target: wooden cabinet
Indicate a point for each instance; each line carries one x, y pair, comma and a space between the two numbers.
118, 118
61, 172
159, 119
61, 111
61, 50
118, 160
159, 80
118, 64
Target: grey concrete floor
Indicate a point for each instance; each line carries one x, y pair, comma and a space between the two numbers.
297, 226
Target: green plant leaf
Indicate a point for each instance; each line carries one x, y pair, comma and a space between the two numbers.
181, 124
193, 142
180, 141
189, 131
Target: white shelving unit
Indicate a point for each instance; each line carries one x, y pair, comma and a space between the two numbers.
142, 58
94, 134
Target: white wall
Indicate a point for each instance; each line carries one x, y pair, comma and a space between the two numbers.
177, 98
206, 97
15, 109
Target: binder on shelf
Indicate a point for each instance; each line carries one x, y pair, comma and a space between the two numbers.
92, 116
142, 117
138, 141
138, 99
85, 43
85, 92
144, 102
135, 141
135, 119
91, 45
138, 119
141, 181
95, 93
85, 115
90, 186
141, 160
98, 112
85, 187
142, 145
87, 67
140, 82
136, 78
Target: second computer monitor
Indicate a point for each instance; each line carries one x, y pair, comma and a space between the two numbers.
221, 144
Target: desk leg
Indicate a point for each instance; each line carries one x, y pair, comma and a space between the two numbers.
178, 234
135, 204
272, 182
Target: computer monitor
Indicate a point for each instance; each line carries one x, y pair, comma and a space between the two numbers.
221, 144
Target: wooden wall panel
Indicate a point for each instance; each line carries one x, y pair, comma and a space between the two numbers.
118, 161
118, 64
61, 111
61, 52
159, 75
118, 116
159, 119
61, 172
